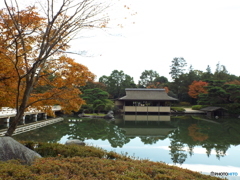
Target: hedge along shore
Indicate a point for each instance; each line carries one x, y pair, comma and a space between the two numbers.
87, 162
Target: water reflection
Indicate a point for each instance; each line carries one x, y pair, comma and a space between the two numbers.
185, 134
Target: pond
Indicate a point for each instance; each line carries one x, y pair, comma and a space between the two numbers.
192, 142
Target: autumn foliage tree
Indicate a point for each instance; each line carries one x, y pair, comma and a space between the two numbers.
196, 88
35, 71
158, 85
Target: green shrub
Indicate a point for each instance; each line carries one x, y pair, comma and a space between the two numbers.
178, 109
197, 107
60, 150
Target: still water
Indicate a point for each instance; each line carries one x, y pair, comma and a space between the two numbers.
192, 142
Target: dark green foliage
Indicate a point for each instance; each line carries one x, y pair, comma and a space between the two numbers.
181, 81
180, 86
221, 73
171, 94
147, 77
220, 93
87, 129
161, 79
198, 107
178, 109
90, 95
184, 104
96, 99
233, 108
116, 83
57, 150
177, 67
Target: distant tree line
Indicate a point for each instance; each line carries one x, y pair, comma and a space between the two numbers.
190, 85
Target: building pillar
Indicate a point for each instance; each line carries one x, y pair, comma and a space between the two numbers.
6, 122
22, 122
44, 116
35, 117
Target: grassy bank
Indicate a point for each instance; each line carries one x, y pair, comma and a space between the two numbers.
85, 162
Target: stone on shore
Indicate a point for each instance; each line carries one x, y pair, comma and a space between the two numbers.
11, 149
109, 115
75, 141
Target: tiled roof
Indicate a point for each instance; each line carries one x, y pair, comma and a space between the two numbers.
146, 94
211, 108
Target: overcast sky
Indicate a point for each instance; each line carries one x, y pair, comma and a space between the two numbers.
203, 32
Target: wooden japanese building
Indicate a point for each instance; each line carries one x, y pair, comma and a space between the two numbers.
142, 101
213, 111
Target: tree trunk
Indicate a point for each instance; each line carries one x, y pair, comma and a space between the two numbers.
14, 123
20, 112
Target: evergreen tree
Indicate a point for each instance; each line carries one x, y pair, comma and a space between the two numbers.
177, 67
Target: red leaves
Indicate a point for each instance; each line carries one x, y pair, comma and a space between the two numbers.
196, 88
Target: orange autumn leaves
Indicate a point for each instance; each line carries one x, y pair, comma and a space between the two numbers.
156, 85
56, 78
196, 88
195, 132
60, 85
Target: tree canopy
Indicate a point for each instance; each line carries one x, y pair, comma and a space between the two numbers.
35, 72
177, 67
196, 88
96, 99
116, 83
147, 77
220, 92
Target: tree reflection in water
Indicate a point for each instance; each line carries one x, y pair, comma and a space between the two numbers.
78, 129
187, 132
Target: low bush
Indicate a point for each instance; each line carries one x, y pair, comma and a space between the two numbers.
60, 150
178, 109
198, 107
92, 168
76, 162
